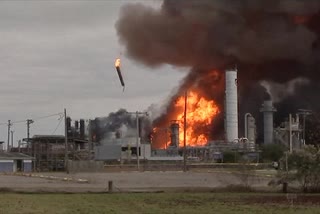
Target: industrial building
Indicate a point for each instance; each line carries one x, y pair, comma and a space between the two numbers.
15, 162
50, 151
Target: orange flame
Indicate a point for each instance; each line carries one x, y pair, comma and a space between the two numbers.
200, 113
117, 62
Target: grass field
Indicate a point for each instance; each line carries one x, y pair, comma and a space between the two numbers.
14, 203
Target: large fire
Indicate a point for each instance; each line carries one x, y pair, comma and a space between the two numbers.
200, 113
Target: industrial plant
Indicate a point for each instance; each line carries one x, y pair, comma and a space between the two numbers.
243, 88
133, 138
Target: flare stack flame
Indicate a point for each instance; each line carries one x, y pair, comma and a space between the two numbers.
117, 65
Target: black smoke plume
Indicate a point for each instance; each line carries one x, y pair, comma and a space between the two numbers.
120, 123
271, 40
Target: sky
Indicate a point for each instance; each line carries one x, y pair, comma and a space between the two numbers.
60, 54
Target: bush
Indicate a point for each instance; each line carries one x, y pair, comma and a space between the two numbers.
231, 157
272, 152
304, 167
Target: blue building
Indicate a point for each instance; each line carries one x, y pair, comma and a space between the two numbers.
15, 162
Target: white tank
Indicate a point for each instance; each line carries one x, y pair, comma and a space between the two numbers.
231, 106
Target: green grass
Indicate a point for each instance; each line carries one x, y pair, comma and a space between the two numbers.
14, 203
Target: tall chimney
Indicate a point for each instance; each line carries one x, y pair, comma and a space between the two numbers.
231, 106
268, 109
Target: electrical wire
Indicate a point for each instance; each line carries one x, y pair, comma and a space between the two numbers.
36, 119
60, 120
47, 116
19, 121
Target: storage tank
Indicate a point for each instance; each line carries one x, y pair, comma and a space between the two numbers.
231, 106
174, 134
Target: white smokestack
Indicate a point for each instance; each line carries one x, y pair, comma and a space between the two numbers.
231, 107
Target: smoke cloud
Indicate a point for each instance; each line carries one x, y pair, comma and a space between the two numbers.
279, 92
218, 33
269, 40
119, 124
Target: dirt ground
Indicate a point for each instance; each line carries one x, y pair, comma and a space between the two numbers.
123, 181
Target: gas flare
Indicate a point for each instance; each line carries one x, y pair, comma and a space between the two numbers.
117, 63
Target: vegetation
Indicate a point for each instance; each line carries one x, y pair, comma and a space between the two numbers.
246, 173
312, 129
303, 166
156, 203
231, 156
272, 152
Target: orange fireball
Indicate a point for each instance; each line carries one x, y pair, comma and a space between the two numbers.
200, 113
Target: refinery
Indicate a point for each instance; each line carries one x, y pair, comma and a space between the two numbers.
183, 134
160, 106
157, 88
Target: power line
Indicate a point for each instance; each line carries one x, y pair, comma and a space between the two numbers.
47, 116
60, 120
35, 119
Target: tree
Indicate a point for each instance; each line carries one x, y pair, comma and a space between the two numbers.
304, 167
312, 129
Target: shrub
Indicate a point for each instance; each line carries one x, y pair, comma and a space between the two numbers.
230, 157
272, 152
304, 167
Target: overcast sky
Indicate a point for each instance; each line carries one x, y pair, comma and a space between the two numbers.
60, 54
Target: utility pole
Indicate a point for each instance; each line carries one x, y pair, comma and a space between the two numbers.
290, 133
184, 132
8, 142
90, 147
12, 138
138, 146
137, 113
66, 142
29, 121
19, 146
